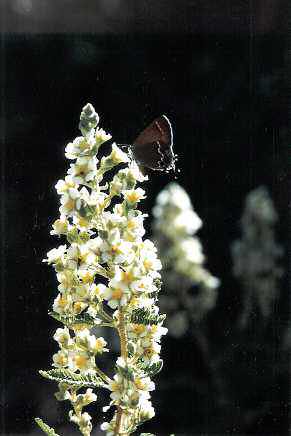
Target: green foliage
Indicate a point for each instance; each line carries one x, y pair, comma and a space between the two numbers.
45, 428
152, 369
73, 379
71, 320
146, 316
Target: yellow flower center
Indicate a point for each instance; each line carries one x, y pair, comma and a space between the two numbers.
134, 301
138, 328
149, 352
83, 145
82, 222
78, 307
81, 169
87, 278
117, 294
70, 204
83, 257
127, 276
115, 250
67, 185
114, 386
97, 290
154, 329
139, 384
61, 360
133, 197
62, 301
141, 286
131, 225
99, 345
80, 361
147, 264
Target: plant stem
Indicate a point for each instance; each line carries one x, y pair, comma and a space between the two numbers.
122, 335
123, 351
118, 421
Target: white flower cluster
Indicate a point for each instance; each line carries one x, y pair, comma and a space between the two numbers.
180, 250
256, 255
108, 277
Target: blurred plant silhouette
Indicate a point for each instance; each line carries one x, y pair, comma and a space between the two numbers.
256, 255
190, 289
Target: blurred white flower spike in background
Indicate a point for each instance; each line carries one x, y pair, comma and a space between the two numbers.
108, 278
256, 256
190, 289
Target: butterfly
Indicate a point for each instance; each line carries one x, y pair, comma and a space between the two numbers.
153, 148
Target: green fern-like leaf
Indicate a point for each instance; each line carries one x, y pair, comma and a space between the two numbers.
152, 369
71, 378
146, 316
45, 428
71, 320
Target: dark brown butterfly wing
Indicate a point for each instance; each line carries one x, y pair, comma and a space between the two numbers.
153, 147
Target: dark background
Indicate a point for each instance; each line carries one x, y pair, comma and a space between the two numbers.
220, 74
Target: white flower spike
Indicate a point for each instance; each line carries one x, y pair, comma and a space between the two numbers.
108, 278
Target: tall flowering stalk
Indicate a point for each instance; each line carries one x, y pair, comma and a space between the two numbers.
256, 255
108, 277
191, 290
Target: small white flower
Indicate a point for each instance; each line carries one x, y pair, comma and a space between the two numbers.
133, 196
136, 331
56, 255
72, 257
62, 304
115, 249
84, 170
62, 336
144, 285
116, 296
146, 409
149, 351
63, 186
93, 344
89, 397
60, 226
144, 384
156, 331
98, 291
81, 360
69, 201
67, 279
135, 173
83, 421
117, 387
134, 229
101, 136
60, 359
79, 147
117, 155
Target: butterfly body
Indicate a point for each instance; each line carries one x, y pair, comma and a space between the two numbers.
153, 148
